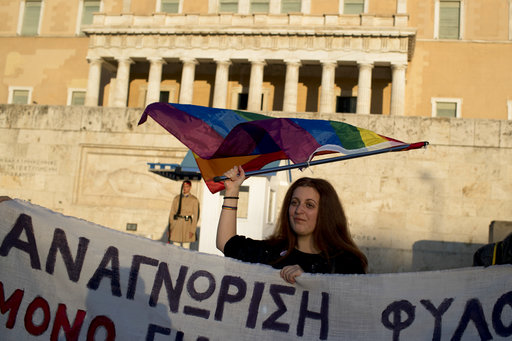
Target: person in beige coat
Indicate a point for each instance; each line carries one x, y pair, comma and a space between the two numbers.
184, 216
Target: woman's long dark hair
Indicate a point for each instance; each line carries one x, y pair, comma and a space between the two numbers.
331, 234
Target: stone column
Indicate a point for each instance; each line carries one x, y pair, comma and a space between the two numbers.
220, 90
154, 79
255, 85
187, 80
398, 89
122, 82
327, 94
290, 85
93, 82
364, 88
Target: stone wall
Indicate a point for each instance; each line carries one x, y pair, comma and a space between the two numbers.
409, 211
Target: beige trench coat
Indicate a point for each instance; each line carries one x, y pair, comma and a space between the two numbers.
183, 228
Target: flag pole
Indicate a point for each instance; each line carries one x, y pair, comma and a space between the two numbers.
334, 159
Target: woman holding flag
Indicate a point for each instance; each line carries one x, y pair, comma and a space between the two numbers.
311, 234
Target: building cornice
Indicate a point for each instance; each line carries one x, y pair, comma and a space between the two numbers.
292, 32
229, 21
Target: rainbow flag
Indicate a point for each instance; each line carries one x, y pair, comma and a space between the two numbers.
223, 138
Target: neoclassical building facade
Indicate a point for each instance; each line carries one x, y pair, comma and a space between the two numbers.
391, 57
286, 63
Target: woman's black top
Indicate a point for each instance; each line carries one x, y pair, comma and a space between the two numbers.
263, 252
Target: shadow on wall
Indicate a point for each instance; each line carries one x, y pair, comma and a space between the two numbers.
439, 255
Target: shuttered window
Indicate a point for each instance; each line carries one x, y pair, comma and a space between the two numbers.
259, 6
228, 6
446, 109
291, 6
31, 17
78, 98
170, 6
353, 6
20, 96
90, 7
449, 19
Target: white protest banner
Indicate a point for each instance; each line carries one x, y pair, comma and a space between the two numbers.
62, 278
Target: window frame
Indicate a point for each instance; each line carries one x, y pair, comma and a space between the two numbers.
301, 10
237, 7
21, 17
23, 88
70, 95
251, 2
341, 9
158, 8
457, 101
366, 4
81, 3
437, 14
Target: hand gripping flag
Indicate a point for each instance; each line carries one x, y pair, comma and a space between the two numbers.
223, 138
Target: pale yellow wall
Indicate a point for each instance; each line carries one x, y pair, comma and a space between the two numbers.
319, 7
113, 6
9, 16
202, 93
143, 7
59, 17
382, 7
487, 20
49, 65
134, 93
421, 17
195, 6
442, 69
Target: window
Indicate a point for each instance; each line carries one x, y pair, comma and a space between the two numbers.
31, 17
353, 6
509, 106
164, 96
243, 100
346, 104
291, 6
228, 6
446, 107
19, 95
170, 6
131, 227
89, 7
260, 6
449, 19
76, 96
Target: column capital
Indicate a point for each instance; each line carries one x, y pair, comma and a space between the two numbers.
329, 62
154, 60
189, 60
223, 61
94, 60
399, 66
257, 61
123, 59
365, 64
296, 62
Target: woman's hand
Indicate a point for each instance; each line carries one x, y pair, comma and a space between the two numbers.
288, 273
235, 176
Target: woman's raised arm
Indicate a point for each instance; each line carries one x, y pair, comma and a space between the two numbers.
227, 221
